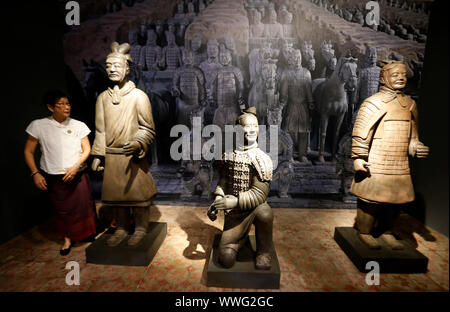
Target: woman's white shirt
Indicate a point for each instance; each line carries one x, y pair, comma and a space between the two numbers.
60, 142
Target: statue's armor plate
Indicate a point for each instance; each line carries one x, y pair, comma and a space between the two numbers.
152, 55
135, 53
188, 85
172, 55
238, 167
389, 151
226, 86
369, 81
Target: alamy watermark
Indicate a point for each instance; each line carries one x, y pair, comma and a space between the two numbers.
73, 277
373, 276
209, 142
73, 16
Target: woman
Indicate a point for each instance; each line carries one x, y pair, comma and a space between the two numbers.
64, 147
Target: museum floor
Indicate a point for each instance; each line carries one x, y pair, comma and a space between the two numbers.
310, 260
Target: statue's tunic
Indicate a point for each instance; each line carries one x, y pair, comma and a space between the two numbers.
296, 92
122, 117
246, 175
385, 132
192, 90
152, 57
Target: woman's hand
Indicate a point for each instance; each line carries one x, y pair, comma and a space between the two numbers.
40, 182
71, 173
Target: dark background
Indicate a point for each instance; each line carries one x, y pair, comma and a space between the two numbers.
34, 59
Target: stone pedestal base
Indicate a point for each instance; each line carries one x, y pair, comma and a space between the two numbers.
408, 260
244, 273
140, 255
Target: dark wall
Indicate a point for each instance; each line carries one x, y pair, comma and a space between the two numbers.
34, 60
431, 176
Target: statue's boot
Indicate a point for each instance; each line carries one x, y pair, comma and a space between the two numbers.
369, 240
122, 217
392, 241
117, 237
303, 147
136, 238
141, 216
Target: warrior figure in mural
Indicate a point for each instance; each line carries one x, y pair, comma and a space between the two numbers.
241, 192
188, 87
171, 54
124, 131
384, 135
369, 76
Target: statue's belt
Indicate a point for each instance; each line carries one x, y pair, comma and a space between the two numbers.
114, 150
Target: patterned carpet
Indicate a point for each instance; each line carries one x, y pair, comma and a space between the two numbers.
310, 259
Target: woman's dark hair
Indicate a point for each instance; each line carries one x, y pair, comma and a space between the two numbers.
52, 96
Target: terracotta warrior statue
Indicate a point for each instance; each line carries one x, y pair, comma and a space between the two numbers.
171, 53
152, 53
241, 193
385, 133
188, 87
196, 47
296, 94
227, 91
369, 76
124, 131
135, 48
273, 29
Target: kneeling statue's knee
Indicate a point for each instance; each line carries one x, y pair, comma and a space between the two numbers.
227, 257
265, 215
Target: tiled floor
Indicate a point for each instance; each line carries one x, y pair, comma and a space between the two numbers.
310, 260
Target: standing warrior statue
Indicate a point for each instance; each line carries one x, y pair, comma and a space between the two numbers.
171, 53
369, 76
135, 48
196, 47
227, 90
385, 133
241, 192
188, 87
124, 131
273, 29
152, 53
209, 68
296, 94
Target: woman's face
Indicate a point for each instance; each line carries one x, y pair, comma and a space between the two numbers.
61, 109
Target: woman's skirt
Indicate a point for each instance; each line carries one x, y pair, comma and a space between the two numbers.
73, 206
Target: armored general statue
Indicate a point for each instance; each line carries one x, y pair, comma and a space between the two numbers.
242, 192
385, 133
227, 90
296, 94
369, 76
152, 53
171, 53
188, 87
124, 131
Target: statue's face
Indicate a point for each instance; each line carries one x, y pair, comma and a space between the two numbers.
117, 69
196, 43
371, 57
188, 58
229, 43
395, 78
170, 40
151, 39
225, 58
212, 50
251, 130
288, 18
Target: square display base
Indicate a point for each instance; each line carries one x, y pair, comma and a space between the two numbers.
244, 273
408, 260
140, 255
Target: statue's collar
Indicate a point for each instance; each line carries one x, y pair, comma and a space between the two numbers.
117, 94
390, 91
245, 148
